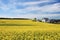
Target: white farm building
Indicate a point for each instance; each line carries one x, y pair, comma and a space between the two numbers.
45, 20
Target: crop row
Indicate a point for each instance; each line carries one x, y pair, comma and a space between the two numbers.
37, 35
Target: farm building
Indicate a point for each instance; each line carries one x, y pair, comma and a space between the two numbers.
55, 21
45, 20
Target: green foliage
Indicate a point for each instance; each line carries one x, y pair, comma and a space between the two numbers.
34, 19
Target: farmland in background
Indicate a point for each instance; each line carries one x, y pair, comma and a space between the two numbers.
28, 30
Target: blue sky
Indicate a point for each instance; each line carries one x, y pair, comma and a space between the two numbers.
30, 8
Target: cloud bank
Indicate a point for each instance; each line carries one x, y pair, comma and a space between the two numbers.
30, 8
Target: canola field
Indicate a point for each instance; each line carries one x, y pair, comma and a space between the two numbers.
28, 30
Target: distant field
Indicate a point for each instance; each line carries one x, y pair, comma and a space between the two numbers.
12, 28
27, 24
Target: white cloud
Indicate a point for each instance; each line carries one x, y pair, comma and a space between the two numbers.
3, 6
51, 8
40, 15
49, 0
36, 2
33, 3
31, 7
32, 15
47, 8
10, 5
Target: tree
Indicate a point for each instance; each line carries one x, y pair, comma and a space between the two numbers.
34, 19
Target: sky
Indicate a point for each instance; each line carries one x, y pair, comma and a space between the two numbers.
30, 8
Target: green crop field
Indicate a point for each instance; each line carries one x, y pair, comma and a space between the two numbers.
28, 30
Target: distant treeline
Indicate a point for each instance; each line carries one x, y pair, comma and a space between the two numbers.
16, 18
